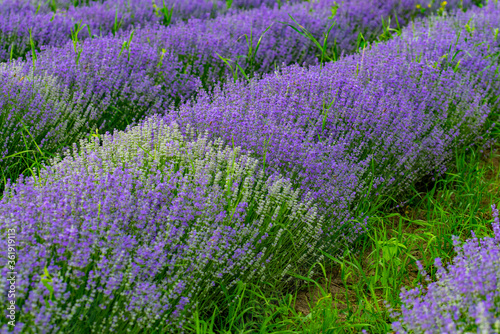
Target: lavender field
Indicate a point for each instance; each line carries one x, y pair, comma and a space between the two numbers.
250, 166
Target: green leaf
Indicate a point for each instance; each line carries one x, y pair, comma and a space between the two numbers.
226, 61
243, 72
49, 287
334, 10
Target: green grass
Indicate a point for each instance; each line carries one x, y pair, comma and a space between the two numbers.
352, 292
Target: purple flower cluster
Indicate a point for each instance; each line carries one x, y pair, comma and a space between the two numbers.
200, 44
51, 23
367, 125
48, 28
137, 230
34, 108
466, 296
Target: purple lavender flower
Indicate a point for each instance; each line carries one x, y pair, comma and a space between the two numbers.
34, 109
466, 296
367, 125
54, 27
138, 229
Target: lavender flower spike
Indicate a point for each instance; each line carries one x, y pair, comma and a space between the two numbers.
139, 232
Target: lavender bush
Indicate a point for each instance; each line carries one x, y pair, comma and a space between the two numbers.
102, 86
51, 22
36, 114
466, 296
466, 42
139, 229
365, 126
18, 18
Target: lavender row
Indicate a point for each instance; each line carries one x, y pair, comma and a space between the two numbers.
52, 23
371, 124
138, 230
393, 119
54, 28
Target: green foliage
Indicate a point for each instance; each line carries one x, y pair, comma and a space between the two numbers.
164, 13
351, 291
321, 47
251, 64
74, 38
126, 45
117, 24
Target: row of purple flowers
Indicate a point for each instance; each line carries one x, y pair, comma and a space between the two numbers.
58, 95
51, 22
